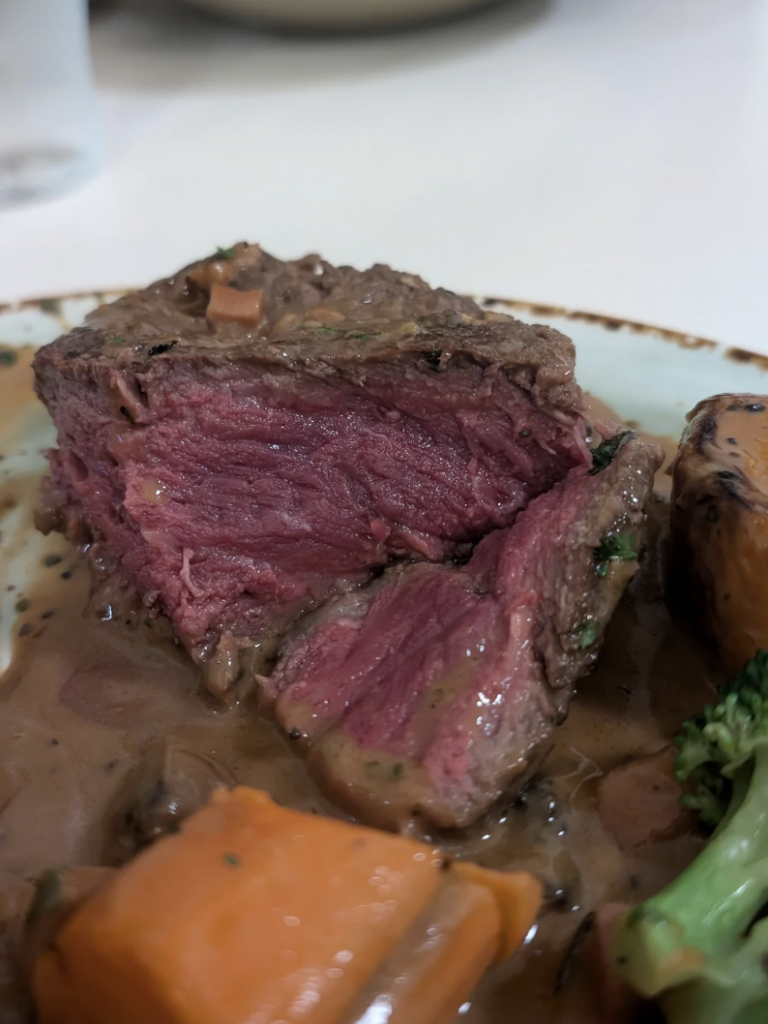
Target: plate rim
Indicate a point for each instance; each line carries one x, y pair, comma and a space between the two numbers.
609, 323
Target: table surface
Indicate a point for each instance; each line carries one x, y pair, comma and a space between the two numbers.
608, 155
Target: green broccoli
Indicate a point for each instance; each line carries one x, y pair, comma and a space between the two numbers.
701, 945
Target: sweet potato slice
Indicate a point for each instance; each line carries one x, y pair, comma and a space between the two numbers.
434, 968
518, 896
256, 913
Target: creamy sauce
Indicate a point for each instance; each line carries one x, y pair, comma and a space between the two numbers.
83, 701
651, 675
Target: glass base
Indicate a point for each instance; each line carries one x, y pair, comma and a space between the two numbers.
37, 173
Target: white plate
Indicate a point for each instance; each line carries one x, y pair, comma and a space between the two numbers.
649, 376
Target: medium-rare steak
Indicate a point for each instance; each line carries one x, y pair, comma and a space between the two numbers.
431, 689
373, 484
249, 437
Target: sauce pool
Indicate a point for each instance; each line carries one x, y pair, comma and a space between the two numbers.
84, 698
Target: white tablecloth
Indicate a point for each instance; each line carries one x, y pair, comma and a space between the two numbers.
609, 155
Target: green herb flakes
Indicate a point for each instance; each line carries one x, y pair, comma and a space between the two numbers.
225, 254
619, 547
22, 605
116, 341
605, 453
232, 859
8, 357
397, 770
525, 433
587, 633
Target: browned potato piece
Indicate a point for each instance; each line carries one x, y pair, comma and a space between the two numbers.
639, 801
719, 519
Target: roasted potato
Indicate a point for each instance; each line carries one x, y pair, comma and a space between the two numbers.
719, 522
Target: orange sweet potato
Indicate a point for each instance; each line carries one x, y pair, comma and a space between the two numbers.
518, 896
436, 965
255, 913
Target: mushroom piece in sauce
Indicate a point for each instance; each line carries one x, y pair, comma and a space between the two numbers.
174, 782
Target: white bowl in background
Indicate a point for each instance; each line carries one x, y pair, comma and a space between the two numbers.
337, 14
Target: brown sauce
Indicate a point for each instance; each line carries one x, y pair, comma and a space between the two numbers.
83, 700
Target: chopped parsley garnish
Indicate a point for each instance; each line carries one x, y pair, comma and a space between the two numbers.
232, 859
385, 771
8, 357
50, 305
225, 254
605, 453
587, 633
619, 547
327, 330
525, 433
433, 358
116, 341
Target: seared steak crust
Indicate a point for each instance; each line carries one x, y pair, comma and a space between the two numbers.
374, 484
237, 475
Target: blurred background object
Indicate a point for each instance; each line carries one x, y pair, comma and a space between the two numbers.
339, 15
586, 153
48, 123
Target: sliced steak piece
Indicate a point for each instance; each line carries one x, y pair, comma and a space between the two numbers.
436, 686
242, 441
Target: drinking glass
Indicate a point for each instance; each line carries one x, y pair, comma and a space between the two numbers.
49, 138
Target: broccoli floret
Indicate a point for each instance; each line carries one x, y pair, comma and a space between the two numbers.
701, 945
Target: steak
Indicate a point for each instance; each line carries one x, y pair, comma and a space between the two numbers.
237, 475
375, 486
430, 690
